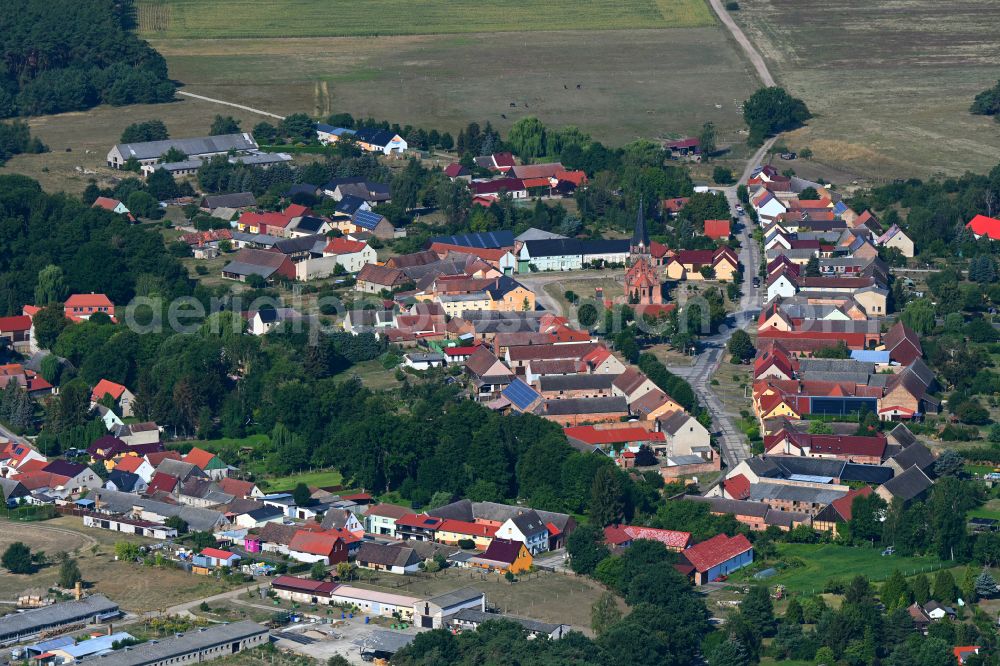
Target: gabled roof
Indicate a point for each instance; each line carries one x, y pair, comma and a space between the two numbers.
200, 458
389, 555
982, 225
594, 436
313, 543
717, 228
909, 484
503, 550
713, 552
844, 504
88, 301
914, 455
381, 275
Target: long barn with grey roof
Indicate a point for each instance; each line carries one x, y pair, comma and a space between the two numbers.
18, 627
196, 646
149, 152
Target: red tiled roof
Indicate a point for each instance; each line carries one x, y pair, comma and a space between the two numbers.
616, 535
107, 387
847, 445
454, 169
674, 205
717, 228
200, 458
161, 481
575, 177
216, 553
107, 203
419, 520
716, 550
314, 543
129, 463
296, 210
495, 185
236, 487
738, 487
843, 505
15, 324
89, 301
536, 182
985, 226
594, 436
343, 246
304, 584
159, 456
471, 529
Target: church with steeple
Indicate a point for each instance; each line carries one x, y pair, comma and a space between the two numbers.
642, 285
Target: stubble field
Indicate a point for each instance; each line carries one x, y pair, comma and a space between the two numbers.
616, 84
890, 82
338, 18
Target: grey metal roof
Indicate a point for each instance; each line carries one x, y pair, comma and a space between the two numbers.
809, 466
790, 493
735, 507
537, 234
193, 147
183, 644
455, 597
234, 200
261, 158
57, 614
586, 406
382, 640
240, 268
477, 617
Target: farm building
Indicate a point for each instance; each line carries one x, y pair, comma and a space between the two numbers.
718, 556
194, 646
149, 152
18, 627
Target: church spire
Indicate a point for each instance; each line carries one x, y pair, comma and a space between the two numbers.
640, 238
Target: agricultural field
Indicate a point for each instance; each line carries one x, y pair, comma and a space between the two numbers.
187, 19
823, 562
890, 84
667, 82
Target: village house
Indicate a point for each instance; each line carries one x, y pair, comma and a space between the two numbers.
504, 556
122, 397
373, 279
270, 266
721, 264
16, 333
394, 558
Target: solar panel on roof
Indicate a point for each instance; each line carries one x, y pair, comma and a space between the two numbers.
520, 394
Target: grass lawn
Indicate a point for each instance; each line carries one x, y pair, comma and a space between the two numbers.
215, 445
549, 597
910, 68
183, 19
320, 479
989, 510
827, 561
135, 587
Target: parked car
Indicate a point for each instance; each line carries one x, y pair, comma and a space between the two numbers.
756, 282
788, 156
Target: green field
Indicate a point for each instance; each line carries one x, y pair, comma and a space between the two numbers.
890, 83
318, 479
827, 561
182, 19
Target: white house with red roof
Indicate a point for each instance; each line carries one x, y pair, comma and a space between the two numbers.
113, 205
119, 393
718, 557
80, 307
352, 255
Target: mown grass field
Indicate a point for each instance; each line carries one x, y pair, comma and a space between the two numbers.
890, 83
320, 479
183, 19
824, 562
